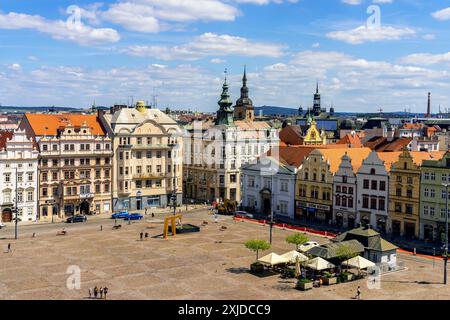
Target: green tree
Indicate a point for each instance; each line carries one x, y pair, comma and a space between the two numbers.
297, 238
344, 253
256, 245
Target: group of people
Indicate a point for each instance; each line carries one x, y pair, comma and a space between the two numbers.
141, 235
97, 293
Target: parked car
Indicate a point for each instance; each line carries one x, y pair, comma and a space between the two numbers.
77, 218
134, 216
244, 214
120, 215
308, 245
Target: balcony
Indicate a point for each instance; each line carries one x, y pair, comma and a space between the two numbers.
155, 175
151, 147
86, 196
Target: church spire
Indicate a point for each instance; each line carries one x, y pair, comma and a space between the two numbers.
225, 113
243, 109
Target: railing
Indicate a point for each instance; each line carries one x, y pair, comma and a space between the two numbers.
149, 175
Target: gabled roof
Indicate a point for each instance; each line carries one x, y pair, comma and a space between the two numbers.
366, 236
291, 155
418, 157
334, 156
396, 145
351, 139
331, 250
48, 124
292, 135
375, 142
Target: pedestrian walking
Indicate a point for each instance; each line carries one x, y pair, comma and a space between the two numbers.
105, 291
34, 234
146, 235
101, 227
90, 293
95, 292
101, 292
153, 215
146, 211
9, 247
142, 235
358, 293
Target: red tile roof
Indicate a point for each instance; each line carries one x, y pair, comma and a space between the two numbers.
4, 136
48, 124
351, 139
291, 135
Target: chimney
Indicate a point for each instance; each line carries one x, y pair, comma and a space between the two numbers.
428, 115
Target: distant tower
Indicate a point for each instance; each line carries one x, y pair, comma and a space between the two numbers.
225, 112
428, 115
317, 103
243, 110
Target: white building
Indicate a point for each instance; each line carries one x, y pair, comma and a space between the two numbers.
344, 200
147, 160
18, 176
215, 151
269, 185
372, 188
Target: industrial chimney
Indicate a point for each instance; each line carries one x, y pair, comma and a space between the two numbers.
428, 115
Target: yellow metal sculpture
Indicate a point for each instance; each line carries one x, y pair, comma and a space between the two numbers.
172, 220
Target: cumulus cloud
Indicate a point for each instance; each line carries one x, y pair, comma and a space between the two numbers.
364, 34
426, 59
442, 15
58, 29
209, 44
151, 15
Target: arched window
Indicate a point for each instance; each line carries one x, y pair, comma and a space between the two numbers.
338, 200
372, 171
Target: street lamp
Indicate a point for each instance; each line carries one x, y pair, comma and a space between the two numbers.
271, 207
16, 231
446, 185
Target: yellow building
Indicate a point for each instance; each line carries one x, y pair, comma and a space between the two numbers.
314, 191
404, 192
313, 136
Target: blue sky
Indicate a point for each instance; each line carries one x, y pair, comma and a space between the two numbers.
71, 53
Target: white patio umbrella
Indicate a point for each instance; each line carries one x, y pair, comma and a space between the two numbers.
273, 259
359, 263
319, 264
293, 255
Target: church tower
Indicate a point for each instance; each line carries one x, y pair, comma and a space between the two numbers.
225, 112
317, 104
243, 109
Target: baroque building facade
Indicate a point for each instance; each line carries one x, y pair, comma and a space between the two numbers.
147, 161
18, 176
215, 152
75, 164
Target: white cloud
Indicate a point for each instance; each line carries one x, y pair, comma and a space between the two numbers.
217, 60
263, 2
209, 44
151, 15
15, 67
348, 82
426, 59
352, 2
364, 34
442, 15
58, 29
